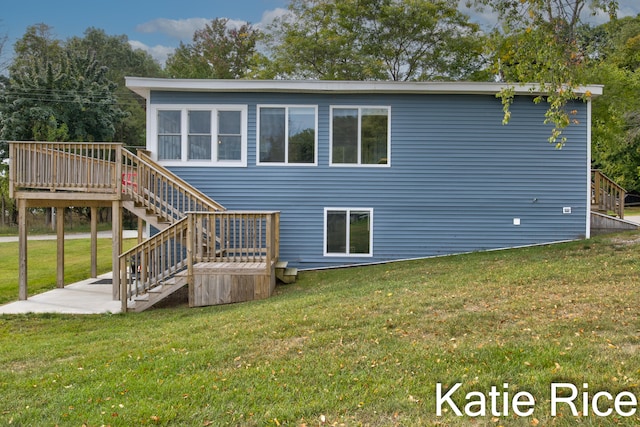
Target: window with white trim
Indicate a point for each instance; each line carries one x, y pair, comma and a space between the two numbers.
211, 135
348, 231
360, 136
287, 135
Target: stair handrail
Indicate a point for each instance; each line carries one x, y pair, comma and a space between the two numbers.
151, 184
606, 194
162, 256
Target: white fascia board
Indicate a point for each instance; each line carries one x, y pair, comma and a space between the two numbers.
144, 86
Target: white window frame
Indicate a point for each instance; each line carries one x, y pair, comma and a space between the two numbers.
359, 164
348, 254
152, 132
286, 124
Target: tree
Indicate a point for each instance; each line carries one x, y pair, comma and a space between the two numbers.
538, 43
56, 92
373, 40
115, 53
3, 42
614, 52
218, 51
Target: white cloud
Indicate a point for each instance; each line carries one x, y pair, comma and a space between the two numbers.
269, 16
181, 29
159, 53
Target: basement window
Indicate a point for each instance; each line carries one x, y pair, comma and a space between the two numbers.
348, 232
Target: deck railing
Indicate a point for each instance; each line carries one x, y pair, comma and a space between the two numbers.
236, 237
68, 166
606, 195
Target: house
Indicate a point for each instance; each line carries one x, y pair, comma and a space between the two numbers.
367, 172
242, 180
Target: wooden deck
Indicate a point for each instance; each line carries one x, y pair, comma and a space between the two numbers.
225, 256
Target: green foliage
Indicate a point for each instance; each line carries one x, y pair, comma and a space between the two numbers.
374, 40
56, 92
115, 53
218, 52
538, 43
614, 54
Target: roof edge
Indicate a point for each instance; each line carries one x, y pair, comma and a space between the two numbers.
143, 86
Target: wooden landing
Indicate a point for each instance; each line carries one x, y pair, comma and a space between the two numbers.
216, 283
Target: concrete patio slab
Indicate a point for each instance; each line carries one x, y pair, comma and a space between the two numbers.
85, 297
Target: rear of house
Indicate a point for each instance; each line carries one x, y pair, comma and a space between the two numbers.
366, 172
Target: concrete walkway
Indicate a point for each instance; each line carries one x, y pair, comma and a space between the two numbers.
633, 218
85, 297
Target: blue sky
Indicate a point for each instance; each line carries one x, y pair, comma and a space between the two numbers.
158, 26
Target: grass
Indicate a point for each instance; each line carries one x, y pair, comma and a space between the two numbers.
634, 210
360, 346
41, 264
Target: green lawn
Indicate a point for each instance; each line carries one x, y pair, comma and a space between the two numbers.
635, 210
361, 346
41, 263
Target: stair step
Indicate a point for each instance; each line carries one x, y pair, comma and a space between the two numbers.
158, 289
169, 282
285, 274
281, 265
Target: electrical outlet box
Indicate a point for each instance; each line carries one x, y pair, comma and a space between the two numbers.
516, 221
566, 210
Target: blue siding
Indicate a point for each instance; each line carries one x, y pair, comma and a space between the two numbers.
458, 177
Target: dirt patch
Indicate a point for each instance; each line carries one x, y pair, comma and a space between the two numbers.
628, 241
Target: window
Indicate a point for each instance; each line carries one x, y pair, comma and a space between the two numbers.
201, 135
169, 125
229, 135
348, 232
287, 135
360, 136
199, 140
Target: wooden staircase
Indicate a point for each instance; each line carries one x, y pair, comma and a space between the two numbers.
233, 255
158, 293
607, 197
607, 206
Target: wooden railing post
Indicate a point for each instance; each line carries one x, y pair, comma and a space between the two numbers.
277, 235
13, 150
190, 243
269, 239
124, 292
118, 171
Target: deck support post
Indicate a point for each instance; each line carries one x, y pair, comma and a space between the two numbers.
60, 250
116, 231
22, 249
94, 241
